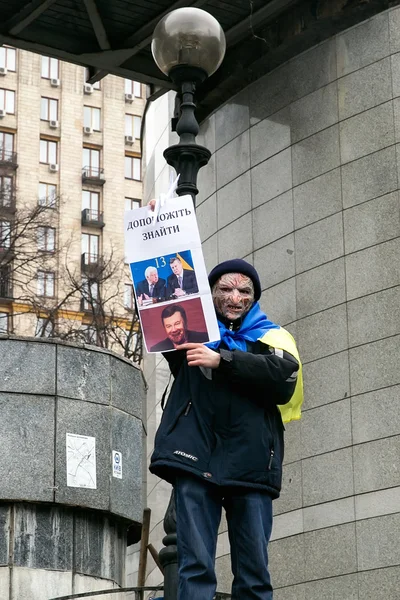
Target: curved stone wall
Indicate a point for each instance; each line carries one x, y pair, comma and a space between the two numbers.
57, 538
304, 183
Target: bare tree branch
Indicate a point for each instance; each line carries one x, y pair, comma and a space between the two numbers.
69, 301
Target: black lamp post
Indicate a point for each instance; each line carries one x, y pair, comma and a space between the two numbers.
188, 45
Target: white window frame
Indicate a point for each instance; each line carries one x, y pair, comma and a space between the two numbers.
50, 68
133, 168
91, 247
7, 101
8, 58
132, 203
92, 117
6, 151
6, 191
48, 109
133, 87
48, 151
89, 290
93, 167
45, 284
133, 125
91, 202
49, 197
5, 234
46, 238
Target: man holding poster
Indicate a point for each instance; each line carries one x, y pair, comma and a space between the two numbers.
220, 441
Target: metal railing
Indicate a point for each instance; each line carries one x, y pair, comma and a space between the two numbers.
90, 260
91, 216
93, 175
132, 593
7, 157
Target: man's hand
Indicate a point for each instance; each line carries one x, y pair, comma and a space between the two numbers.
199, 355
179, 292
152, 204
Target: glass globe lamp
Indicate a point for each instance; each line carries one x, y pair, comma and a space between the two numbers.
188, 40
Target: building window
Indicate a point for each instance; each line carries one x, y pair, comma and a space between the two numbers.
128, 296
90, 294
45, 280
90, 248
6, 145
48, 109
50, 67
95, 86
47, 195
133, 87
133, 168
48, 152
3, 322
132, 203
91, 161
133, 125
8, 58
91, 117
44, 327
5, 234
6, 190
7, 101
91, 201
46, 239
5, 282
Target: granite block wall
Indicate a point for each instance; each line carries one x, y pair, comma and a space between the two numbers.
304, 183
56, 538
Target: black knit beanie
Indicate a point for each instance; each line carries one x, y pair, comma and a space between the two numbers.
237, 265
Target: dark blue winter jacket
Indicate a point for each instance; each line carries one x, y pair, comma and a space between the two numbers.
223, 425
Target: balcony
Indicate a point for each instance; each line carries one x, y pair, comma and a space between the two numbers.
92, 218
8, 159
93, 175
90, 263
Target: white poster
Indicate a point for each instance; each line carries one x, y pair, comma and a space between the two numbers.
169, 276
117, 464
81, 461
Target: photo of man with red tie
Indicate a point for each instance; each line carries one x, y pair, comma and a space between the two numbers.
182, 281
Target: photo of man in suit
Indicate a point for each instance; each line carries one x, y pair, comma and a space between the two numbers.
151, 289
182, 281
174, 320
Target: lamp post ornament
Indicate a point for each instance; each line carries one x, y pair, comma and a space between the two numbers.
188, 46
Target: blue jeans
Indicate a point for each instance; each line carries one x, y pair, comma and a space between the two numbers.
198, 513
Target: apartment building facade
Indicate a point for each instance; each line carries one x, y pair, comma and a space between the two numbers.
70, 165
